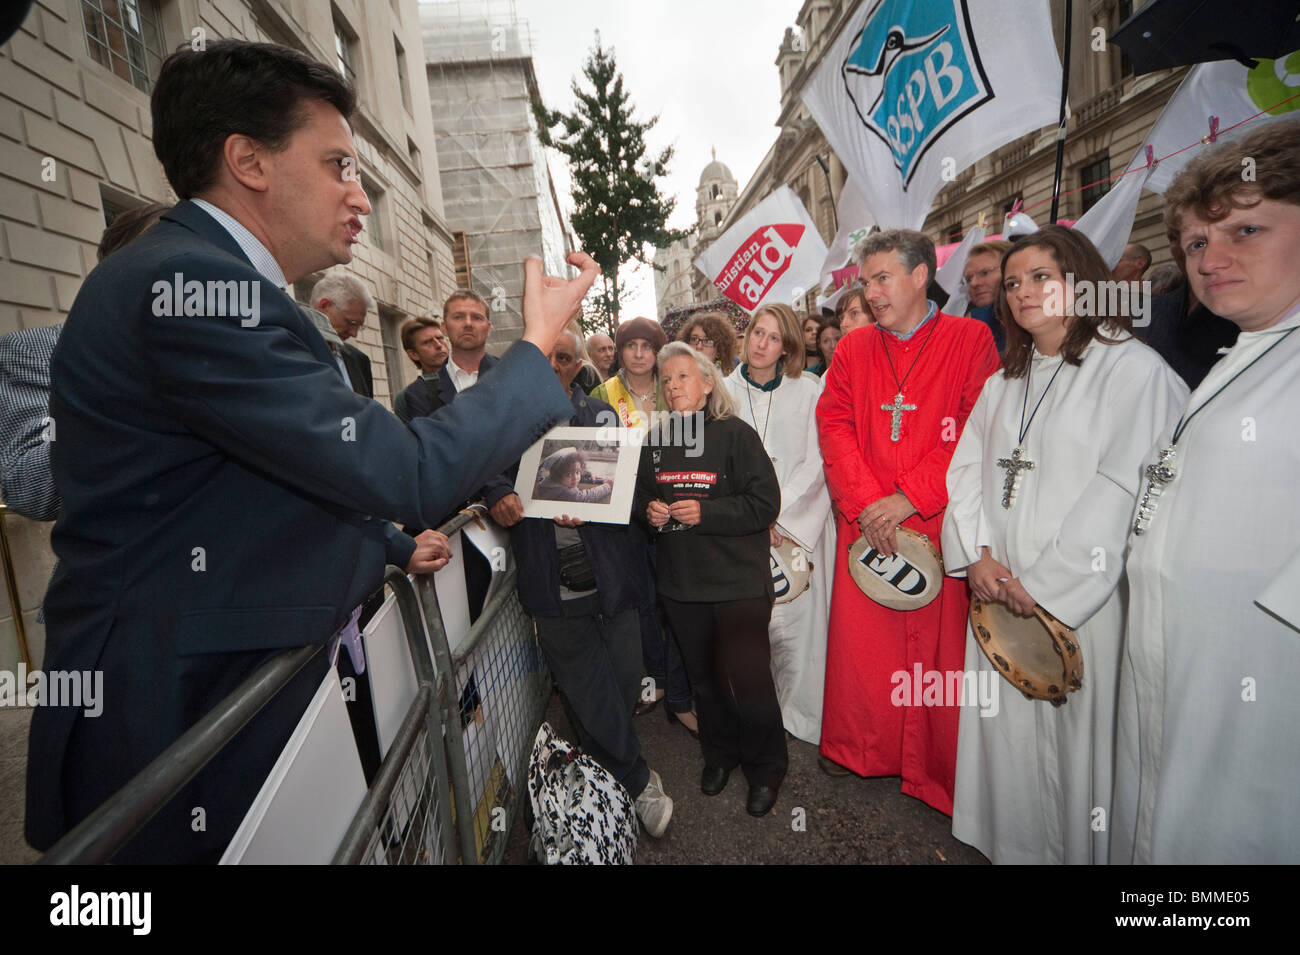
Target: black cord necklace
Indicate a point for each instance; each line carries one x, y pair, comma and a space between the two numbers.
749, 393
898, 407
1163, 472
1017, 462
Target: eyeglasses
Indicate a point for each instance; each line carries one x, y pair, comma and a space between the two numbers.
981, 274
695, 342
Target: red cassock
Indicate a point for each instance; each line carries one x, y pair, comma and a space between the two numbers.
868, 644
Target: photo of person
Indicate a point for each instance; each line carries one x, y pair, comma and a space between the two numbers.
569, 473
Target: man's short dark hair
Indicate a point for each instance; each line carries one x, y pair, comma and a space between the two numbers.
202, 97
464, 294
415, 325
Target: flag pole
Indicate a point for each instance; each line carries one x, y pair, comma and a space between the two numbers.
1060, 129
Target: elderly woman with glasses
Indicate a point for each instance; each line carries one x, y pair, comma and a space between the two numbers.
708, 489
711, 335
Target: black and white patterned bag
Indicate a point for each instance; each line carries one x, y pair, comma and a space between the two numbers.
582, 815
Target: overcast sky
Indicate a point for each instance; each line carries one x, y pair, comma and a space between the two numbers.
706, 67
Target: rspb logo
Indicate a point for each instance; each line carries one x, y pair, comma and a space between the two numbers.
912, 72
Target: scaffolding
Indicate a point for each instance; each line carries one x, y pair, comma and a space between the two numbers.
496, 186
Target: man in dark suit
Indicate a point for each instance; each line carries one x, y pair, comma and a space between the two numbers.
344, 300
226, 495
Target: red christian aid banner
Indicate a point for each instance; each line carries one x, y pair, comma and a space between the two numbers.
772, 254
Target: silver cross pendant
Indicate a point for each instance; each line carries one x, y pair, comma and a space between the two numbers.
1158, 476
1013, 465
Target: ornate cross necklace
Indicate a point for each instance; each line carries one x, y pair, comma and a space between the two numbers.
1163, 472
898, 407
1017, 462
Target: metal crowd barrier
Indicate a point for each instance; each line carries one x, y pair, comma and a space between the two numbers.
454, 776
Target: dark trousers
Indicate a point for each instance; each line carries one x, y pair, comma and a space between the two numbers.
727, 656
659, 651
596, 662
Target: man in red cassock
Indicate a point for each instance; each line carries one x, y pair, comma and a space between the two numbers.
886, 467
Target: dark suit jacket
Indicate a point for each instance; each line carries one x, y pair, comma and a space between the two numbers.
358, 366
445, 393
1189, 341
218, 482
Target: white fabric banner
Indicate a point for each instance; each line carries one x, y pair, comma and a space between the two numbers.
855, 222
1213, 96
771, 254
949, 275
914, 91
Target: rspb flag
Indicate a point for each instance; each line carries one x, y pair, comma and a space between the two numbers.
772, 254
914, 91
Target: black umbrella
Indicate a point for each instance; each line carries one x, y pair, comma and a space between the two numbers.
1167, 33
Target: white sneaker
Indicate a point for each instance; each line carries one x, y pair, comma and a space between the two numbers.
653, 807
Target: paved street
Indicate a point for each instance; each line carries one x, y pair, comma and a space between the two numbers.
847, 820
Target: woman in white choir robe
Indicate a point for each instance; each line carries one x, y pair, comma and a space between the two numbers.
1082, 399
1208, 766
774, 397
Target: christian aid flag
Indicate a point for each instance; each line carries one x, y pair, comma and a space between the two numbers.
772, 254
914, 91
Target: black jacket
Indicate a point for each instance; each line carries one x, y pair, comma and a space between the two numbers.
1189, 342
612, 553
358, 366
725, 556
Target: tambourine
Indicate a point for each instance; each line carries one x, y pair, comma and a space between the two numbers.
907, 581
791, 570
1038, 655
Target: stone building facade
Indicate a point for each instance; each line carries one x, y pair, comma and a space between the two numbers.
680, 283
75, 149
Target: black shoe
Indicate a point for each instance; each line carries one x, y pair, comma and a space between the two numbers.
832, 768
673, 718
714, 779
643, 707
761, 800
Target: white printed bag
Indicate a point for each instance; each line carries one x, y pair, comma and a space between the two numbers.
582, 815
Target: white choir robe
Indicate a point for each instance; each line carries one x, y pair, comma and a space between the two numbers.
797, 633
1208, 750
1031, 776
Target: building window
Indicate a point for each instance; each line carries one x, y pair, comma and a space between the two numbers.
124, 36
952, 233
460, 260
1094, 181
389, 329
717, 192
401, 76
1123, 11
413, 153
377, 221
345, 51
717, 218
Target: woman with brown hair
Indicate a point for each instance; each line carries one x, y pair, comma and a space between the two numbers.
852, 310
778, 400
711, 334
1041, 490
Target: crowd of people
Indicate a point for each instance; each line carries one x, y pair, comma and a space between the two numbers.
1130, 480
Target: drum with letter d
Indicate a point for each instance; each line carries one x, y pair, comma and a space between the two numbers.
791, 570
1038, 655
907, 581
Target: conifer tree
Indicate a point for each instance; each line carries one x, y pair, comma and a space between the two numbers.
618, 209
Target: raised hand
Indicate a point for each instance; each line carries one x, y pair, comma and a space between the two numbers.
549, 302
